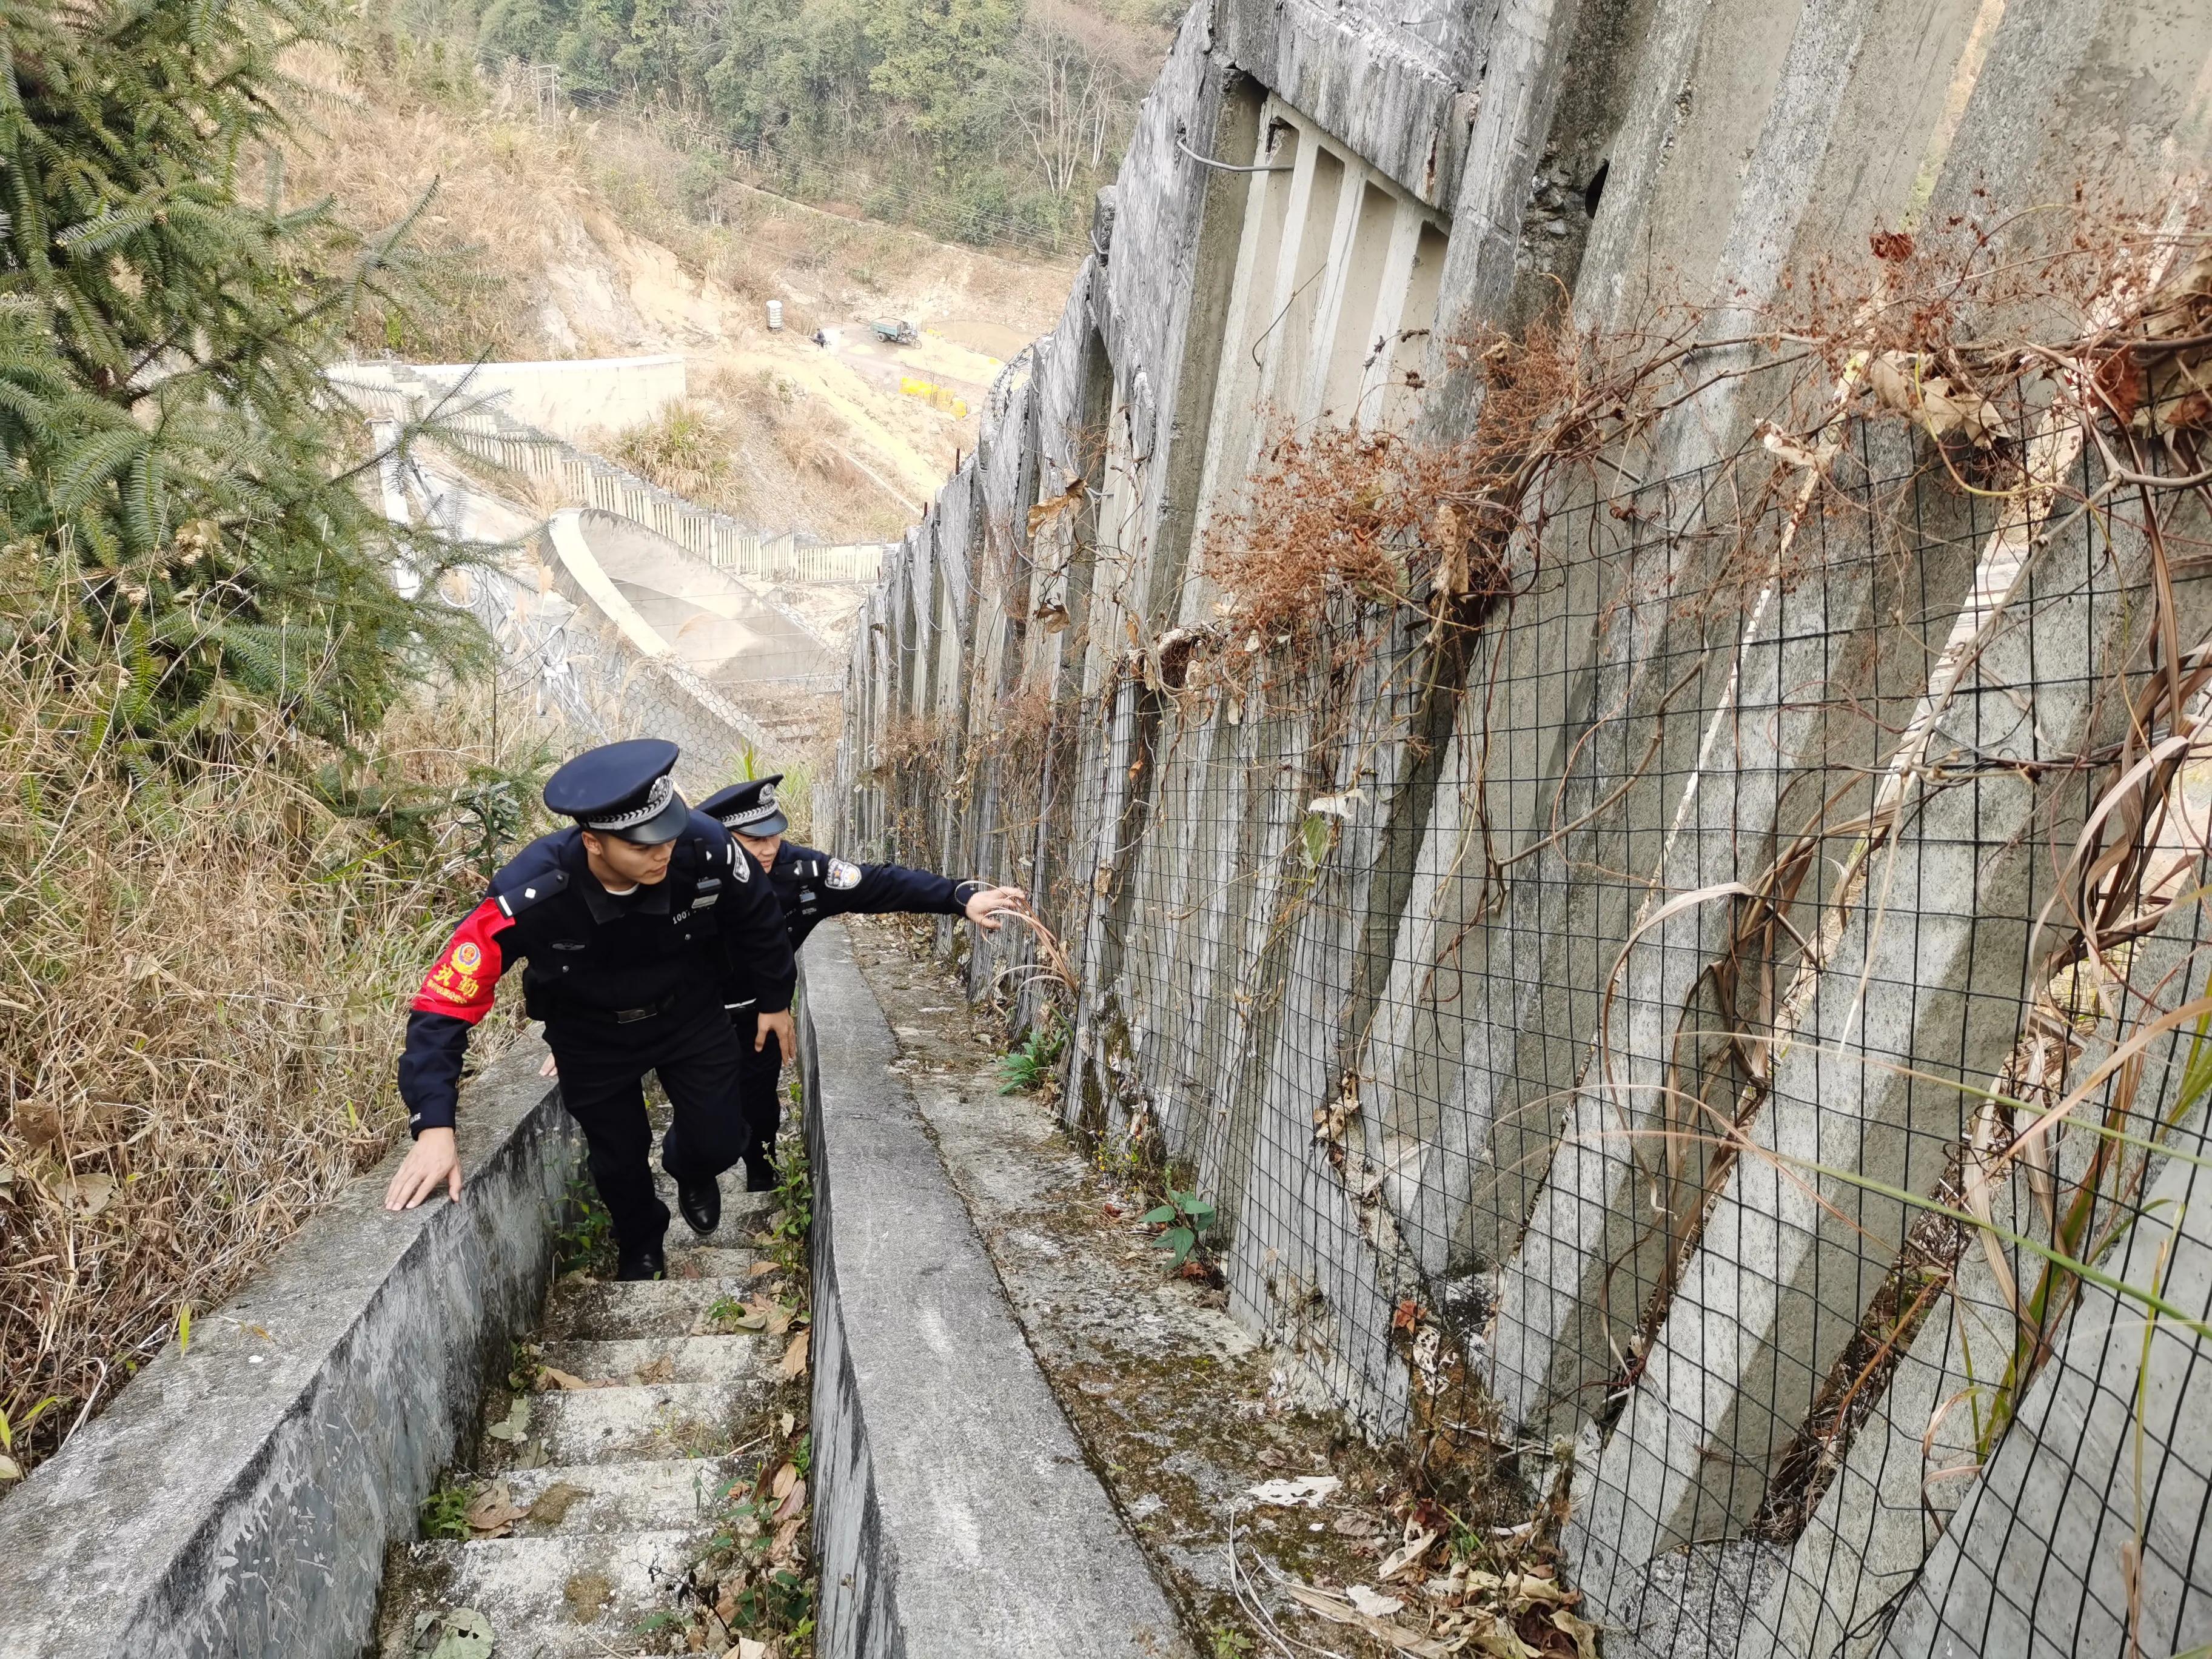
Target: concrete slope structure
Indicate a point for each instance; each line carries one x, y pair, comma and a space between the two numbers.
1582, 1017
958, 1516
476, 410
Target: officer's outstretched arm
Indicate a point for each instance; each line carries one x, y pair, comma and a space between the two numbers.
456, 994
874, 889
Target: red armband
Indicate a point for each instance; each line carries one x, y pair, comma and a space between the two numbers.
461, 982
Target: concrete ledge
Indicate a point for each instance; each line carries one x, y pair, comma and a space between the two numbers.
954, 1514
238, 1498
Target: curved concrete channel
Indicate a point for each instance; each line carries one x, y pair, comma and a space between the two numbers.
245, 1496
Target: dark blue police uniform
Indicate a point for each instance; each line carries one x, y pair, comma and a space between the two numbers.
625, 982
813, 887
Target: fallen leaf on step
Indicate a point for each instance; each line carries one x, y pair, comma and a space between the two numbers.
785, 1479
787, 1423
561, 1379
516, 1423
1373, 1603
747, 1649
1306, 1490
10, 1469
795, 1357
535, 1456
762, 1269
494, 1513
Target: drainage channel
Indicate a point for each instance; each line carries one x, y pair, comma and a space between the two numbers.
637, 1484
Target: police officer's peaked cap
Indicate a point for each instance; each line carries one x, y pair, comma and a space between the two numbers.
622, 789
749, 809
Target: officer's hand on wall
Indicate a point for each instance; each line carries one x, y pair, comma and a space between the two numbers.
433, 1160
786, 1037
983, 905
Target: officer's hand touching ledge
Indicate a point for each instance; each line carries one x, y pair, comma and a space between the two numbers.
434, 1161
983, 907
786, 1037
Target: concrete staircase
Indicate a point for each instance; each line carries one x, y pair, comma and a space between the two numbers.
617, 1489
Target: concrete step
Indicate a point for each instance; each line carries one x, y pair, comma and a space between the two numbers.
702, 1260
661, 1419
601, 1311
651, 1359
546, 1598
570, 1500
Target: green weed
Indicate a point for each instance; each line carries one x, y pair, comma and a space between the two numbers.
1030, 1066
445, 1512
1186, 1216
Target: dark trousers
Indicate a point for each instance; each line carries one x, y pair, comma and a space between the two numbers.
602, 1067
759, 1081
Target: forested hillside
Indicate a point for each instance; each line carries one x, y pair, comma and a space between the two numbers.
991, 121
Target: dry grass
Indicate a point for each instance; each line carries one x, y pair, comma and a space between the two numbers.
202, 989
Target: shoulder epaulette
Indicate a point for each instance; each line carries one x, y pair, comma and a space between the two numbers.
535, 889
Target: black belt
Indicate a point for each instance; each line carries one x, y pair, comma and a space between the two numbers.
673, 1000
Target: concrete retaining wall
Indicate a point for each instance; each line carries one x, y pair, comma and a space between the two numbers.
1413, 1067
238, 1498
954, 1514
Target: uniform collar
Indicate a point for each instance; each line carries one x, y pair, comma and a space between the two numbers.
605, 906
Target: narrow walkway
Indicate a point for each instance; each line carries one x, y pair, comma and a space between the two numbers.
616, 1471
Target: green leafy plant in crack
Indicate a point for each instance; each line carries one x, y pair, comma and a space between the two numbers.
1031, 1065
1186, 1218
794, 1215
445, 1512
586, 1242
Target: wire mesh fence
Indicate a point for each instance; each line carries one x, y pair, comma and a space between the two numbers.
1702, 1043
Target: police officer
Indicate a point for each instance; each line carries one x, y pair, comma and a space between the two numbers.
813, 887
642, 926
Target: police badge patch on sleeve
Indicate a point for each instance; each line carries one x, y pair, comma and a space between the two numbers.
843, 876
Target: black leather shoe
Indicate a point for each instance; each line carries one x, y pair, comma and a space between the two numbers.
760, 1174
645, 1263
701, 1203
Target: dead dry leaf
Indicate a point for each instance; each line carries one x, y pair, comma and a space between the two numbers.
762, 1269
86, 1195
795, 1358
494, 1513
785, 1479
793, 1502
561, 1379
1339, 1610
1407, 1556
786, 1546
1050, 508
1372, 1602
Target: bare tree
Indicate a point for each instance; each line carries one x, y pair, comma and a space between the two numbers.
1065, 100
